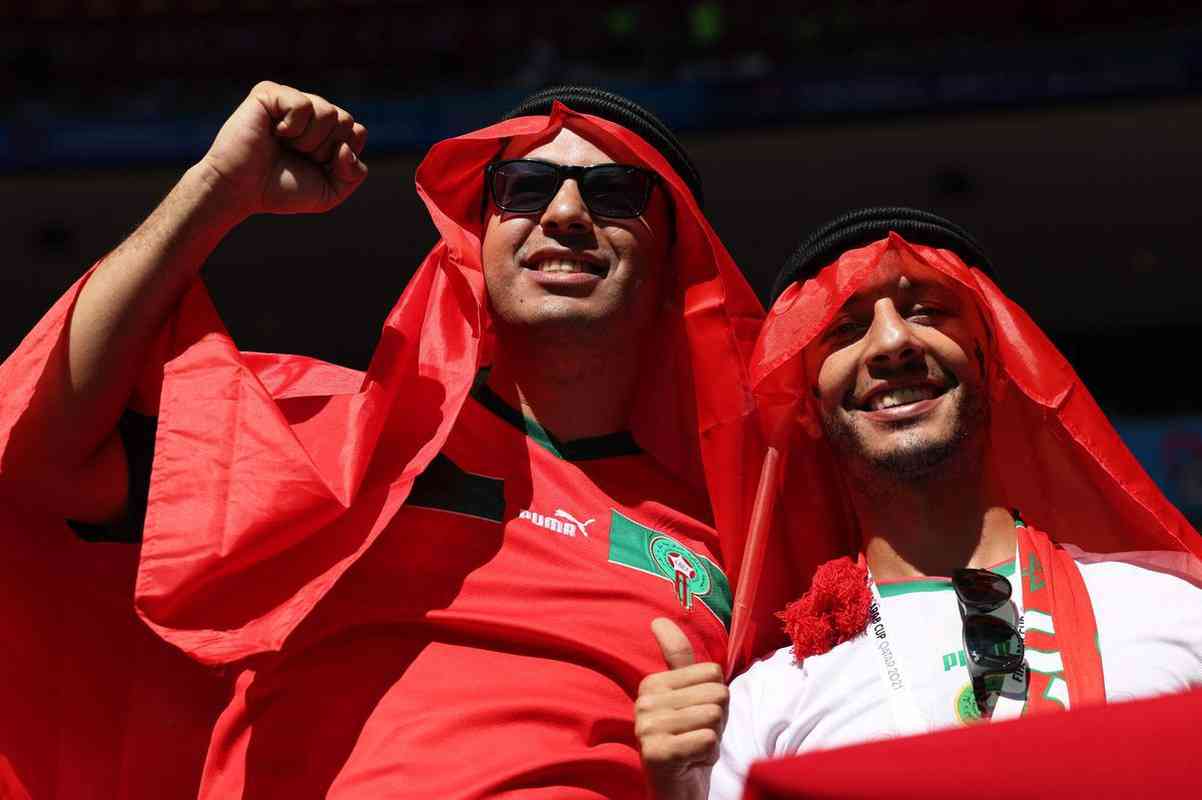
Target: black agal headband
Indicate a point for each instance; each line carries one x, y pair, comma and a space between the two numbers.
627, 113
859, 228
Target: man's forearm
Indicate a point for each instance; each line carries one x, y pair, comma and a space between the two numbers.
125, 302
117, 315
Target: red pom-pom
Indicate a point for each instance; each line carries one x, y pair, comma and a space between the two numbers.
833, 611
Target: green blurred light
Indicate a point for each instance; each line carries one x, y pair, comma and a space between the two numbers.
623, 21
705, 20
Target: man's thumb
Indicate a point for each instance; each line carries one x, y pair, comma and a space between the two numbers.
672, 643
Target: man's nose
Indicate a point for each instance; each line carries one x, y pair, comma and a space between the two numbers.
891, 342
566, 213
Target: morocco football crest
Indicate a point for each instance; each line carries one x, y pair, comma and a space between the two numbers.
694, 577
675, 561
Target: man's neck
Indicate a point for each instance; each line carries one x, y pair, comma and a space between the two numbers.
574, 392
932, 527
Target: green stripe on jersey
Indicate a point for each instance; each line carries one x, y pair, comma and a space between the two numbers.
916, 585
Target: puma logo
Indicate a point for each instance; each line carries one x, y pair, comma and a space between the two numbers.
583, 526
561, 522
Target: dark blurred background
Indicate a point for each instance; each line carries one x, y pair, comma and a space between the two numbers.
1064, 133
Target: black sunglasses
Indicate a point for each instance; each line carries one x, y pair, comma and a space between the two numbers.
524, 186
994, 647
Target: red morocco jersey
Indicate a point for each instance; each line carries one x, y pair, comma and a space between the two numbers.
513, 593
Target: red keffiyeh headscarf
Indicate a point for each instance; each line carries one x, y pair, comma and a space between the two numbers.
1060, 460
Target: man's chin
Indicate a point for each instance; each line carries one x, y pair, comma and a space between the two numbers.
914, 461
909, 453
556, 315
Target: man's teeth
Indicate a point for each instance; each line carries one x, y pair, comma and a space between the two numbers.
565, 266
900, 397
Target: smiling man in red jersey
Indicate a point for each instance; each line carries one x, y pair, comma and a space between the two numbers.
931, 434
431, 579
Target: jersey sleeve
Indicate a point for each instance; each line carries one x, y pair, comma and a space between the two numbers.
137, 433
1149, 624
741, 743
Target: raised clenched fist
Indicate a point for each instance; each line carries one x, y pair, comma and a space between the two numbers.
284, 151
679, 716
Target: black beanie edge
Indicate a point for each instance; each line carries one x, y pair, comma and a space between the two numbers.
864, 226
624, 112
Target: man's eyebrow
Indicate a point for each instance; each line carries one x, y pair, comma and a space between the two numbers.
915, 286
945, 291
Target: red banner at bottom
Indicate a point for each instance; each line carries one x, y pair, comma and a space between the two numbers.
1124, 750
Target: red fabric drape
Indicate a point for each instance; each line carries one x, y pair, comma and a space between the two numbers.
1148, 748
92, 703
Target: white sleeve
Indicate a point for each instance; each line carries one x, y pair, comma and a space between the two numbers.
740, 741
1149, 628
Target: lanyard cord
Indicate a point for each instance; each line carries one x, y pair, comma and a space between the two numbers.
907, 718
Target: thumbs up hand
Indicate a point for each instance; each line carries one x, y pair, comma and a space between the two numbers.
678, 718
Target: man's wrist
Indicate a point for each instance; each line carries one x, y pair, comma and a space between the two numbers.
187, 226
217, 205
692, 785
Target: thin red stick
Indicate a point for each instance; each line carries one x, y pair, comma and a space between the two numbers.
753, 557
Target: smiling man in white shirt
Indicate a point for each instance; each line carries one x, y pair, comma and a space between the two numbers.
922, 411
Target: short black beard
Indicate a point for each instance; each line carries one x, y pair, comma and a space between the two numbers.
913, 463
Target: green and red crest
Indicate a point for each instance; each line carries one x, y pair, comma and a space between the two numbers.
694, 577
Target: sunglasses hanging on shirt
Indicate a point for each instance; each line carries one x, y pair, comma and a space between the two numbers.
993, 646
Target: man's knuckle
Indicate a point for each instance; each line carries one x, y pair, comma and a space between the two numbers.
653, 684
710, 715
672, 750
654, 750
654, 724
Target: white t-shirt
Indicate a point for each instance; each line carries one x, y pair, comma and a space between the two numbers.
1149, 634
